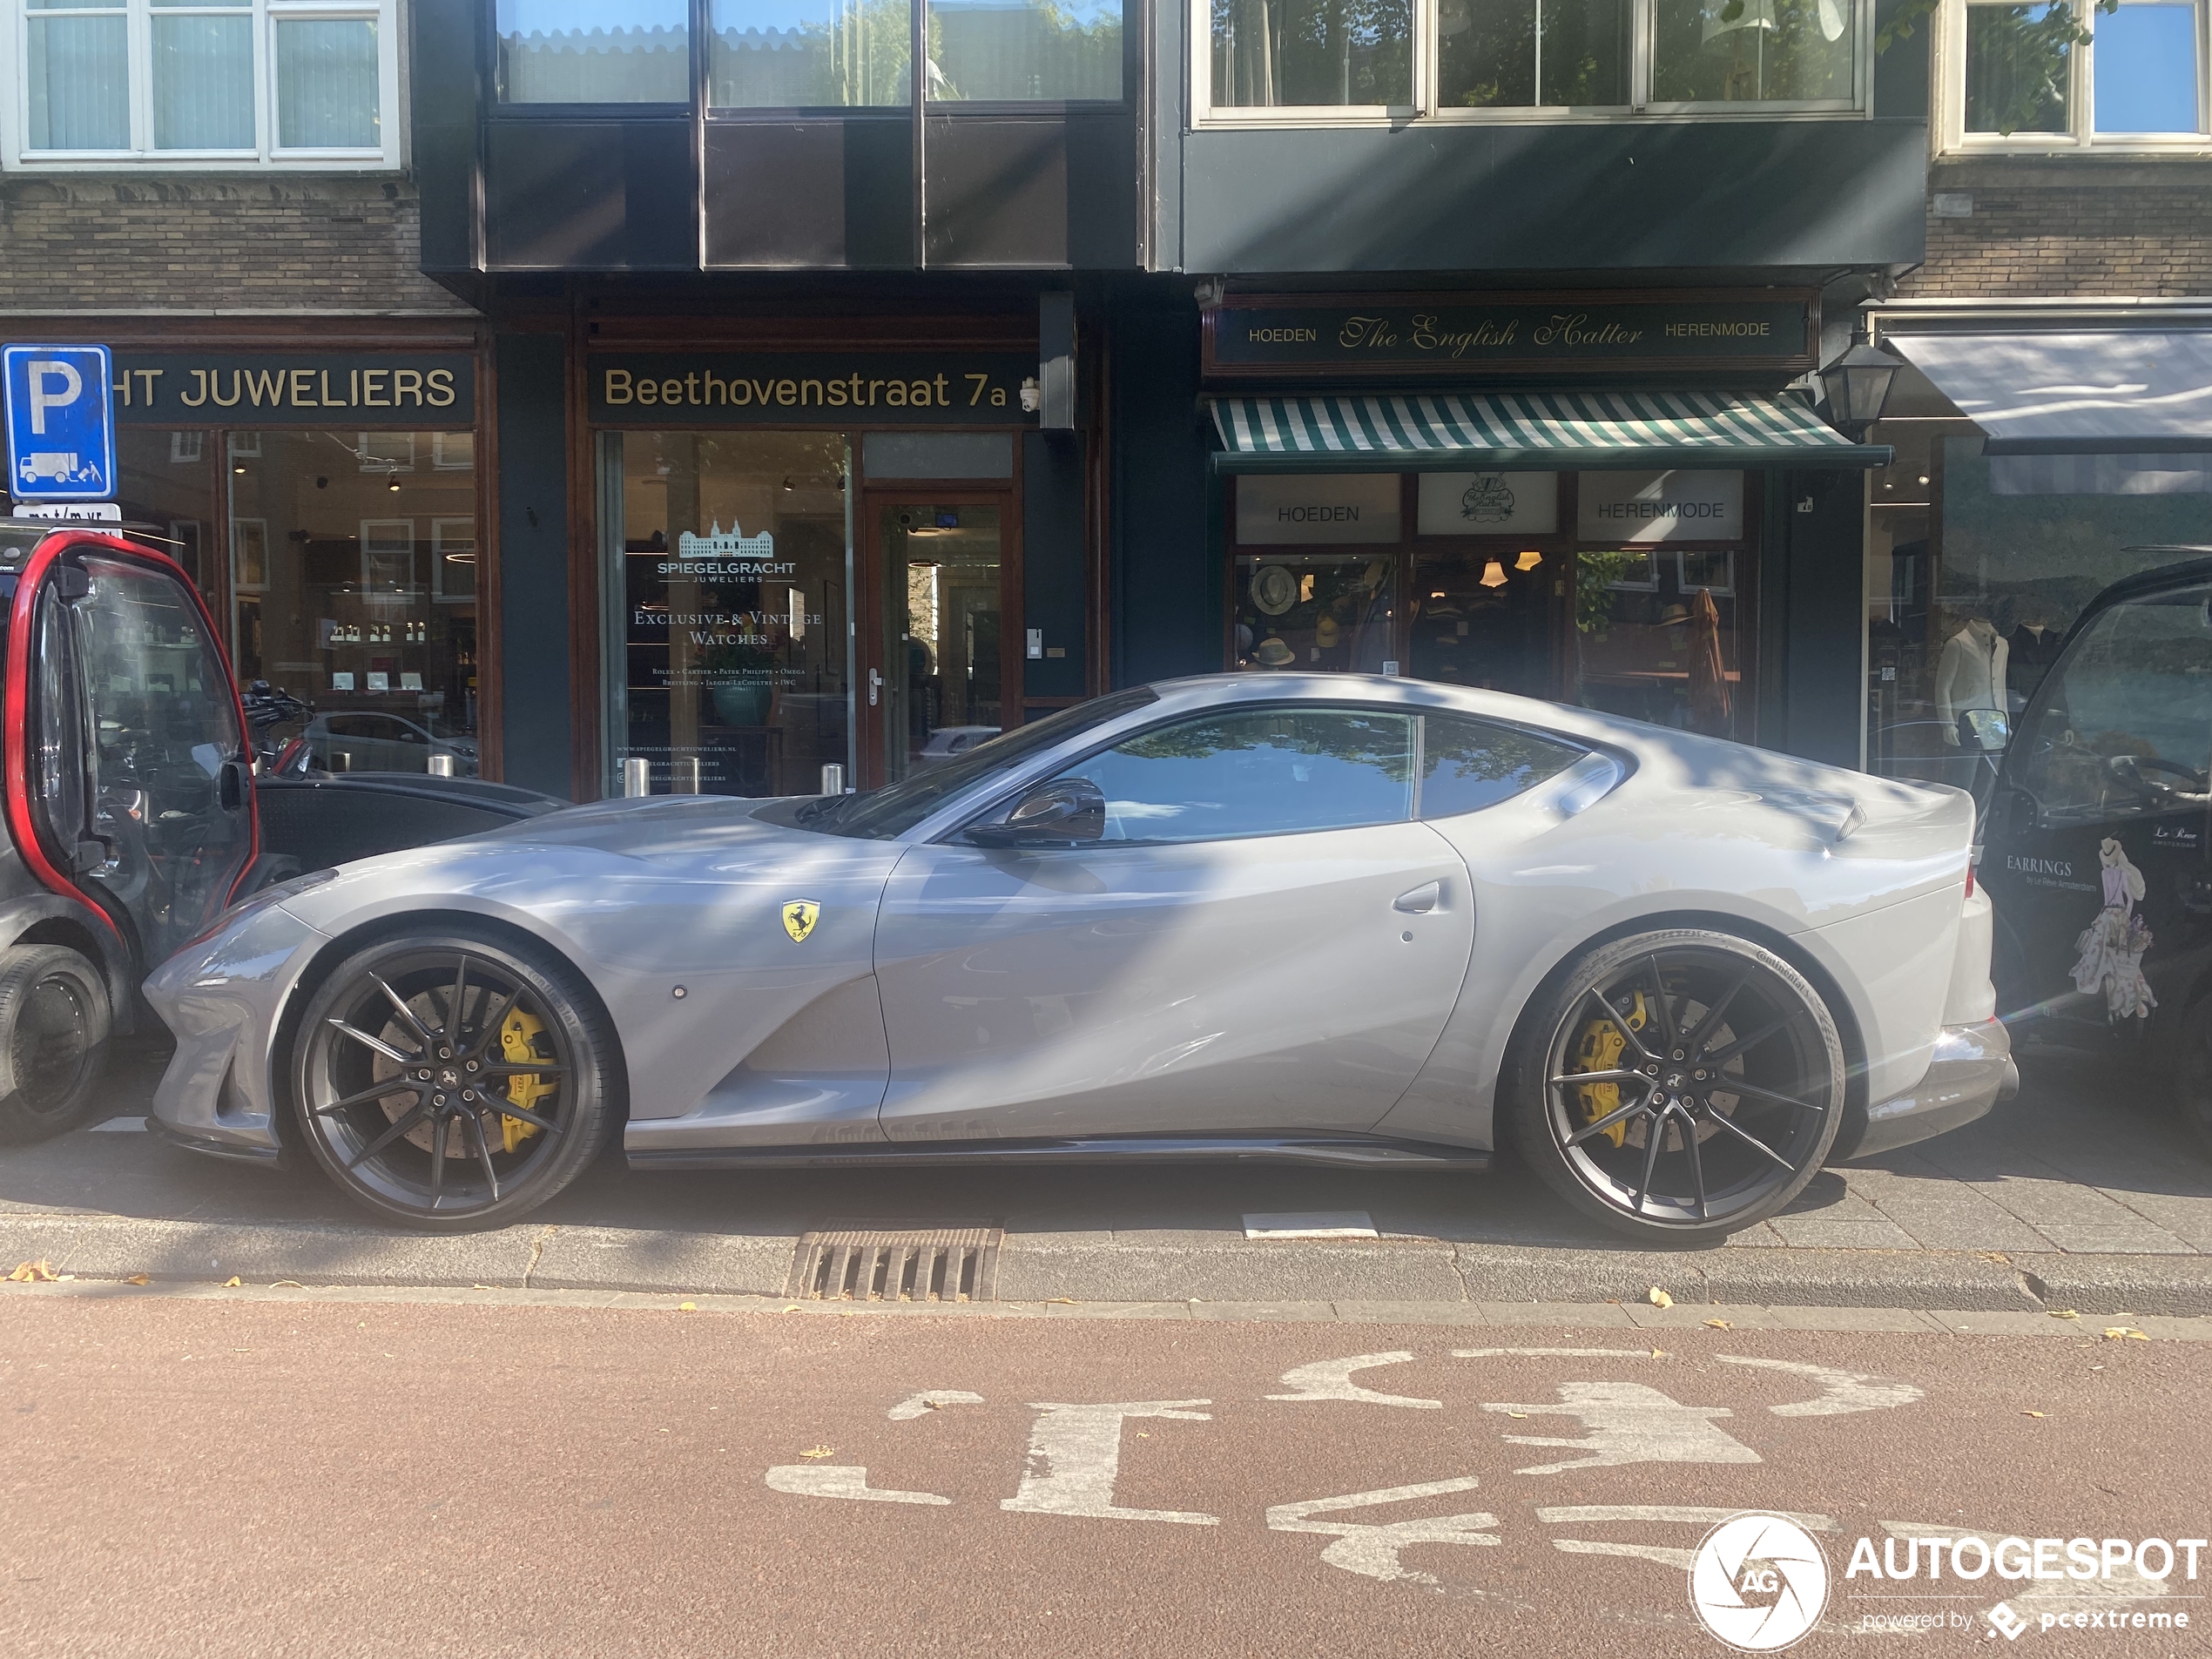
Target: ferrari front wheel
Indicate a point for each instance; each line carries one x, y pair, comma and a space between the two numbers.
1679, 1085
451, 1082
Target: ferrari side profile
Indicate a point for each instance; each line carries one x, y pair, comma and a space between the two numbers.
1367, 922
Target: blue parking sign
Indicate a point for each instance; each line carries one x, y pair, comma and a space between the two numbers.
61, 422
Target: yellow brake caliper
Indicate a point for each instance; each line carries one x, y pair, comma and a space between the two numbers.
518, 1043
1600, 1050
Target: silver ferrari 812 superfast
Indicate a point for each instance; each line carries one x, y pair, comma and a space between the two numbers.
1368, 922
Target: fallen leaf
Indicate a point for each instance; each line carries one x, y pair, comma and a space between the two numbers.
687, 1307
1658, 1353
2064, 1313
1660, 1298
1517, 1413
2122, 1333
1720, 1325
288, 1284
793, 1308
1992, 1256
232, 1283
38, 1272
1065, 1301
2031, 1413
138, 1278
820, 1451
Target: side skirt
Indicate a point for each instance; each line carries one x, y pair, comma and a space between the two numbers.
1360, 1152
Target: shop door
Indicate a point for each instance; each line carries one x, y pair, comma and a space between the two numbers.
940, 673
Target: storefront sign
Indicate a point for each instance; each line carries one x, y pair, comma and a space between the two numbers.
1489, 503
1633, 508
810, 388
1278, 510
422, 389
1456, 337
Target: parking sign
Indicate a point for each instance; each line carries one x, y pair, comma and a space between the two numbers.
61, 422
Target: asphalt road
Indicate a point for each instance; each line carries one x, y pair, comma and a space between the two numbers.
208, 1475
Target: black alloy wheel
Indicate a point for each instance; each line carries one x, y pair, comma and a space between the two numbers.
1679, 1085
54, 1023
453, 1082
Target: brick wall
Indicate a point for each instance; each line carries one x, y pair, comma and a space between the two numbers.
231, 241
2088, 229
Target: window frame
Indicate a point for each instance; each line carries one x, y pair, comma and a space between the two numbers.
2081, 137
267, 16
1427, 58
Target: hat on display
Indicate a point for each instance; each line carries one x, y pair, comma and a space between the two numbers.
1672, 615
1273, 653
1326, 633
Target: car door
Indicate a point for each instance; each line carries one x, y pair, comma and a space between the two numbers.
140, 771
1263, 941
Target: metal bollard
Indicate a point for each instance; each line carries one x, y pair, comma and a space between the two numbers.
834, 778
442, 767
637, 777
683, 776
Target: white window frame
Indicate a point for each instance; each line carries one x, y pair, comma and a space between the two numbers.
2082, 136
17, 155
1427, 107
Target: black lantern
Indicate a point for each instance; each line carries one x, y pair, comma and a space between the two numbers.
1858, 384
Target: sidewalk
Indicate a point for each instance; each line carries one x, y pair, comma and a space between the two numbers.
2078, 1195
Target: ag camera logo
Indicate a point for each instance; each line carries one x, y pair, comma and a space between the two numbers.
1759, 1583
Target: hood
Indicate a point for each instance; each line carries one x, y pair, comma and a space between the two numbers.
656, 826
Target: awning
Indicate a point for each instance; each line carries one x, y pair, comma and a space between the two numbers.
1442, 432
2116, 392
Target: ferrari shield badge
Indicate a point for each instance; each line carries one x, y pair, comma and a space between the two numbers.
799, 916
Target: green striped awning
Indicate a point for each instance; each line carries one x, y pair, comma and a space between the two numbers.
1436, 432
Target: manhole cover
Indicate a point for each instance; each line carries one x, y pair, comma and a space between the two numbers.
865, 1260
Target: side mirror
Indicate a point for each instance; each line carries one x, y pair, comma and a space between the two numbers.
1060, 813
1987, 730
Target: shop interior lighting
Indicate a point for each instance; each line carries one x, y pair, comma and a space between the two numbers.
1529, 559
1438, 593
1494, 573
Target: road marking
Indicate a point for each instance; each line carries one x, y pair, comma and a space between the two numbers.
921, 1405
1312, 1224
1331, 1379
1629, 1423
1075, 1451
119, 1126
1841, 1392
1553, 1353
838, 1480
1372, 1551
1662, 1555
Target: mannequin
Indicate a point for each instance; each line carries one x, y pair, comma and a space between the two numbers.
1970, 674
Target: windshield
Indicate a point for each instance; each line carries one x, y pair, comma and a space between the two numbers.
883, 813
2124, 725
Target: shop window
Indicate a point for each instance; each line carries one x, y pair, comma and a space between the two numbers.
726, 601
341, 596
206, 82
820, 54
594, 51
1031, 51
1978, 565
1486, 59
1256, 772
1324, 611
2107, 74
1649, 646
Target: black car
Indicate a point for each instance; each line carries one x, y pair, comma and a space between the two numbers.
2095, 839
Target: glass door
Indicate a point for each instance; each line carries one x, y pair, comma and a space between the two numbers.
943, 677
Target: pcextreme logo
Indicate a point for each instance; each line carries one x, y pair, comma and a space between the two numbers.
1759, 1583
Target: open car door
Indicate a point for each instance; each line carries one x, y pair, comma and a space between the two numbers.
122, 711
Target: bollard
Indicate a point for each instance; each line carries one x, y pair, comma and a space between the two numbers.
637, 777
834, 778
683, 776
442, 767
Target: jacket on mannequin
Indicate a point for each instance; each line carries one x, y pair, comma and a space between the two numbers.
1970, 674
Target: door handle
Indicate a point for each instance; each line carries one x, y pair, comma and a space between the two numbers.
875, 686
1420, 900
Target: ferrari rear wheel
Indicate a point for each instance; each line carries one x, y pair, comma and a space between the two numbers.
1679, 1085
453, 1082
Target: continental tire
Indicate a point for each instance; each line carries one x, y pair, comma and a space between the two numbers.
1678, 1085
54, 1024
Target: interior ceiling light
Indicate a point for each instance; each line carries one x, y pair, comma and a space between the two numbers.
394, 484
1529, 559
1494, 575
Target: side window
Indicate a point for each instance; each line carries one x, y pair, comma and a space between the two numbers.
1256, 772
1467, 765
2124, 725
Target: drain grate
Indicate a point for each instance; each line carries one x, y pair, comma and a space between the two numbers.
865, 1260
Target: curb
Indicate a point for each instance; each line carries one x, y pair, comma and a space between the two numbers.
1096, 1269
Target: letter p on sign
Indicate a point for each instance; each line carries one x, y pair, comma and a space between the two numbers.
61, 422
